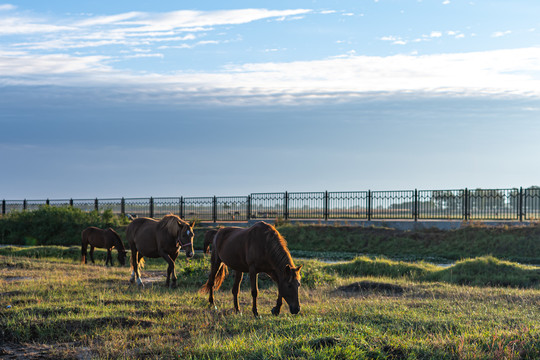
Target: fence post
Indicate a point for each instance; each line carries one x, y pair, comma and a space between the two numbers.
96, 204
214, 209
181, 207
369, 205
123, 206
521, 204
47, 202
248, 207
151, 207
466, 205
415, 210
24, 204
4, 207
326, 205
286, 206
71, 202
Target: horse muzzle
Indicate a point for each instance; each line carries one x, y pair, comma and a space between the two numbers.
294, 309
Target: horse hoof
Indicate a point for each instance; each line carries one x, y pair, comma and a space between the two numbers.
275, 311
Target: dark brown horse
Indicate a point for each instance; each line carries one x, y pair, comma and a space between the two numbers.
105, 239
208, 239
155, 239
259, 248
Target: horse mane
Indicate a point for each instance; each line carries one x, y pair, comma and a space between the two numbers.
119, 243
278, 251
171, 223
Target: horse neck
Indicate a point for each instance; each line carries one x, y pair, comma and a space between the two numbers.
279, 256
118, 244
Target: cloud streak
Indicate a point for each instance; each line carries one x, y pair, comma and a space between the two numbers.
490, 73
131, 28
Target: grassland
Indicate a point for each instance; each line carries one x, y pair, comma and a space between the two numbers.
519, 243
53, 307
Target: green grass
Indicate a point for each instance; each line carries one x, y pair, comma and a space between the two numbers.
514, 243
482, 271
68, 310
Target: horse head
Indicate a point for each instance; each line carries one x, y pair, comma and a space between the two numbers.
122, 254
185, 238
288, 287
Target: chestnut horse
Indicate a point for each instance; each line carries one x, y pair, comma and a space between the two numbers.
260, 248
155, 239
105, 239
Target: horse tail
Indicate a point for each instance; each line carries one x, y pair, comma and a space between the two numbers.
220, 275
218, 279
208, 239
140, 264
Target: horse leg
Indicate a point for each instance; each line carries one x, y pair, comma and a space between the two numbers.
83, 252
173, 258
138, 270
214, 268
92, 254
276, 309
254, 289
170, 268
109, 258
135, 273
236, 287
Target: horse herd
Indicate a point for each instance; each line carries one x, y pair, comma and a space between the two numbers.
259, 248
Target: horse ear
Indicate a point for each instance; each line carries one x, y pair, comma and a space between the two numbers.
288, 270
298, 268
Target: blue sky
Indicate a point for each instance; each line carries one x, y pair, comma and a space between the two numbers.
191, 98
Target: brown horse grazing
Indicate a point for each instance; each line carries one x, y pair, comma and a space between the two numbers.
208, 239
259, 248
106, 239
154, 239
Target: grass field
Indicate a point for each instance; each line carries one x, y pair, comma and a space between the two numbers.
53, 307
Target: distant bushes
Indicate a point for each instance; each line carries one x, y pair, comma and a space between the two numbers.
52, 225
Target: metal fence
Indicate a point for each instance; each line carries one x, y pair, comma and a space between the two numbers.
516, 204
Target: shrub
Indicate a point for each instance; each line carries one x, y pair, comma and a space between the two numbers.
52, 225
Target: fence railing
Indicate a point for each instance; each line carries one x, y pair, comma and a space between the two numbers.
516, 204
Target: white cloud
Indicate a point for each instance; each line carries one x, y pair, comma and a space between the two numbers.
144, 55
18, 25
133, 28
501, 33
490, 73
394, 39
7, 7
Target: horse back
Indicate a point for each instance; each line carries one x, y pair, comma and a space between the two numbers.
93, 236
141, 235
240, 248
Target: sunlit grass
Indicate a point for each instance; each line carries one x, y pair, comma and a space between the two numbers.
93, 310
